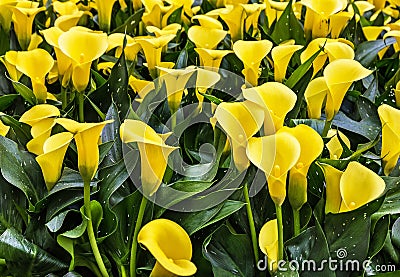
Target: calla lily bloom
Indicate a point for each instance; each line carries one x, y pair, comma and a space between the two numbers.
351, 189
268, 242
251, 54
205, 79
82, 47
27, 62
23, 15
240, 121
10, 62
153, 152
252, 14
208, 22
275, 155
390, 152
276, 99
6, 14
86, 138
281, 56
396, 35
35, 41
204, 37
311, 145
152, 48
171, 247
38, 113
51, 160
338, 22
334, 146
211, 58
339, 76
234, 16
132, 47
66, 22
141, 87
171, 29
104, 10
315, 96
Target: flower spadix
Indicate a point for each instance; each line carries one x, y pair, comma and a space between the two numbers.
83, 47
153, 150
276, 99
51, 160
171, 247
251, 54
268, 242
275, 155
240, 121
390, 152
311, 146
86, 137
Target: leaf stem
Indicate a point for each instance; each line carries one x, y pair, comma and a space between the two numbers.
251, 222
296, 222
123, 271
81, 106
138, 225
63, 98
327, 127
90, 230
280, 231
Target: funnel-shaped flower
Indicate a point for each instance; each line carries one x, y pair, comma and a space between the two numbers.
27, 62
65, 8
86, 138
66, 22
276, 99
10, 62
82, 47
351, 189
211, 58
6, 14
171, 29
141, 87
275, 155
171, 247
339, 76
132, 47
268, 242
205, 79
152, 48
175, 82
281, 56
208, 22
153, 152
390, 152
311, 145
52, 158
315, 96
38, 113
338, 22
204, 37
251, 53
104, 10
334, 146
234, 16
23, 15
240, 121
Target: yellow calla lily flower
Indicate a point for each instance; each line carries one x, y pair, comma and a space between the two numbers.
132, 47
6, 13
208, 22
38, 113
141, 87
240, 121
27, 62
171, 247
152, 48
275, 155
358, 186
396, 35
311, 145
40, 131
351, 189
338, 22
52, 158
234, 16
315, 96
251, 54
10, 61
268, 242
204, 37
35, 41
65, 8
252, 15
339, 76
362, 6
171, 29
205, 79
334, 146
281, 56
211, 58
82, 47
276, 99
66, 22
86, 138
23, 15
3, 128
104, 10
390, 137
153, 152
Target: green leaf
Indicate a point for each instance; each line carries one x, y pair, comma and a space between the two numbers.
396, 233
378, 238
25, 92
175, 17
229, 254
22, 130
12, 199
367, 127
367, 51
24, 258
130, 24
288, 27
7, 100
111, 133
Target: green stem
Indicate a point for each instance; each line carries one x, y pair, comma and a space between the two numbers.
71, 265
280, 231
81, 106
63, 98
90, 230
173, 121
296, 222
251, 222
123, 271
327, 127
138, 225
